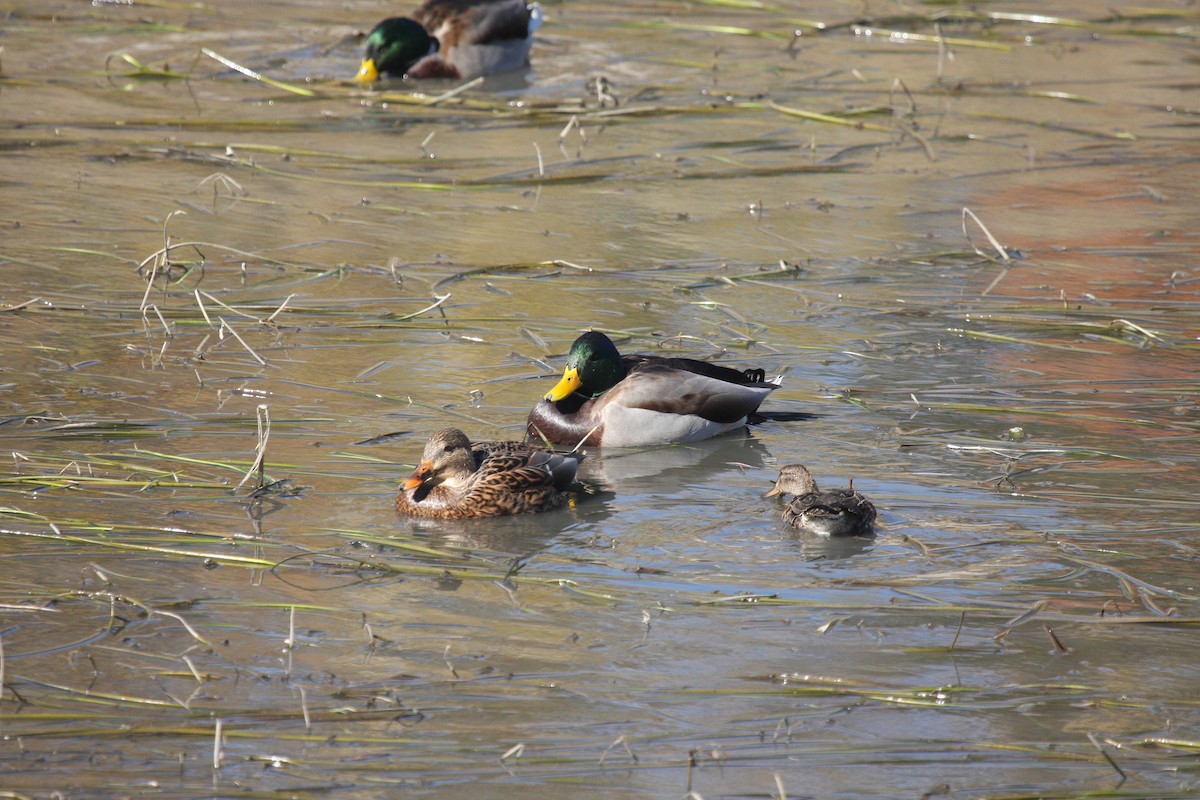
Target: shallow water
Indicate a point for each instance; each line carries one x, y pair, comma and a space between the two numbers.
1027, 428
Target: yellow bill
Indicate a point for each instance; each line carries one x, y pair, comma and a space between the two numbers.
569, 383
368, 72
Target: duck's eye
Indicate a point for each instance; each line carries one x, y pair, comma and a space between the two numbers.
450, 448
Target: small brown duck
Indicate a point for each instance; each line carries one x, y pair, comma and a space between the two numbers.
458, 480
833, 512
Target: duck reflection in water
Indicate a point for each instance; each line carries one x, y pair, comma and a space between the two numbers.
662, 470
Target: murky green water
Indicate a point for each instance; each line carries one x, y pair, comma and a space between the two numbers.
1026, 612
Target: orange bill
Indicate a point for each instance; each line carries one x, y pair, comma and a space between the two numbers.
418, 476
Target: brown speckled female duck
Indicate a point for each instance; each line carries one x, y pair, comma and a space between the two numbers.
457, 479
834, 512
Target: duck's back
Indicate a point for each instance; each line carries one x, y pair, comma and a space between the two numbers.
748, 377
485, 19
514, 478
833, 512
684, 386
501, 458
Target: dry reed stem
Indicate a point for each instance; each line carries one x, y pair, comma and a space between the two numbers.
217, 753
225, 306
471, 84
1004, 256
260, 450
225, 326
249, 73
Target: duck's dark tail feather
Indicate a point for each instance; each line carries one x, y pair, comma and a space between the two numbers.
560, 466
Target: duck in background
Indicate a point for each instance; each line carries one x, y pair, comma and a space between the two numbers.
456, 479
613, 400
452, 39
834, 512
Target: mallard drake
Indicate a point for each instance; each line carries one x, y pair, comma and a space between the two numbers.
457, 479
607, 399
833, 512
452, 39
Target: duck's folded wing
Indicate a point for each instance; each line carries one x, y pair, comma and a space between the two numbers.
497, 462
655, 385
835, 504
863, 507
516, 481
478, 21
744, 377
531, 466
487, 450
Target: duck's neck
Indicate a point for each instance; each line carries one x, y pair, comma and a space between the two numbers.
600, 376
563, 423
